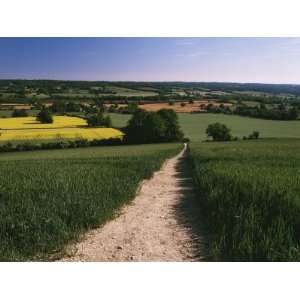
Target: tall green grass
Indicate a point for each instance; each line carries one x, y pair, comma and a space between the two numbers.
49, 198
250, 194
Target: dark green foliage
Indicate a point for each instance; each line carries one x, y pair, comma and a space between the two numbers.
47, 202
131, 108
281, 113
218, 132
30, 146
99, 120
99, 104
254, 135
249, 194
44, 116
173, 131
65, 107
17, 113
153, 127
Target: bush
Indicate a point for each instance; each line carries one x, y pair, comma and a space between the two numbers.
17, 113
28, 146
82, 143
99, 120
218, 132
44, 116
185, 140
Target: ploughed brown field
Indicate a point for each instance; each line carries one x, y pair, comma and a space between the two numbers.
15, 106
199, 105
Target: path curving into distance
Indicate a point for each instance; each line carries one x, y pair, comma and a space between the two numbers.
162, 223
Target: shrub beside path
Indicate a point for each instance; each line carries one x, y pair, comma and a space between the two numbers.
160, 224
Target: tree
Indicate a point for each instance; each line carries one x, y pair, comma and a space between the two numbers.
58, 107
44, 116
173, 130
293, 113
218, 132
19, 113
145, 127
254, 135
131, 108
281, 106
153, 127
99, 120
73, 107
99, 103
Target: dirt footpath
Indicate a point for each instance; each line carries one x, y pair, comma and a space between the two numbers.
161, 224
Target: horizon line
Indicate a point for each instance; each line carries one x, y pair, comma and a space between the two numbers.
148, 81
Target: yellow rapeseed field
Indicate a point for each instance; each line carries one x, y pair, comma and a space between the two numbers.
32, 123
63, 127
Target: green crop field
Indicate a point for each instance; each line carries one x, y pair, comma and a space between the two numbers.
126, 92
48, 198
250, 194
194, 125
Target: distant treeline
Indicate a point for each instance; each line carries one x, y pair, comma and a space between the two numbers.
270, 114
280, 112
267, 99
162, 87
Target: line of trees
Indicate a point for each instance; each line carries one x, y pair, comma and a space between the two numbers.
279, 112
19, 113
262, 112
80, 143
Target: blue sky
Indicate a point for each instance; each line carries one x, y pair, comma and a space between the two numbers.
268, 60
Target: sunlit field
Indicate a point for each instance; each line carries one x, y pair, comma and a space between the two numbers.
194, 125
249, 192
49, 198
63, 127
32, 123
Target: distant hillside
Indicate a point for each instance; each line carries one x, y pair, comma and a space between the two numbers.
163, 86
